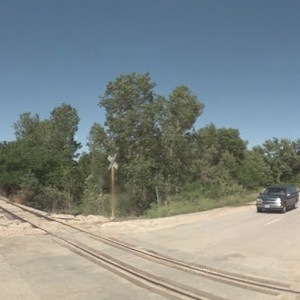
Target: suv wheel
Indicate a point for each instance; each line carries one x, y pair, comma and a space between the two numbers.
283, 210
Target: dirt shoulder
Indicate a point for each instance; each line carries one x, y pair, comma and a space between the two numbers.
12, 227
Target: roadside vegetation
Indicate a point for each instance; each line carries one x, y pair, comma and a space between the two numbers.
182, 206
166, 165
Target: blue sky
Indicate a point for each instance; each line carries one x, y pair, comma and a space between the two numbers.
240, 57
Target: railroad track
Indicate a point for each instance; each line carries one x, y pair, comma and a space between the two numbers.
87, 245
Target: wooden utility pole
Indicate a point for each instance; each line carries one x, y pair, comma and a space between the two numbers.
112, 166
113, 194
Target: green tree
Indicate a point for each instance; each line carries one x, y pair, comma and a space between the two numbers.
99, 146
254, 172
150, 134
283, 158
222, 140
180, 112
63, 127
45, 154
33, 151
12, 168
132, 129
220, 153
26, 126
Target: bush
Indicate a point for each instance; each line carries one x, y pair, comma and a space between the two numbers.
93, 201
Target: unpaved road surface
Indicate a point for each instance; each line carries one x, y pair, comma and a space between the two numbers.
33, 266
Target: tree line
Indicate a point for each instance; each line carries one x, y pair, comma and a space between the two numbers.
160, 153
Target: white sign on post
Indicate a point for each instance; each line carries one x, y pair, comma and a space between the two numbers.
112, 162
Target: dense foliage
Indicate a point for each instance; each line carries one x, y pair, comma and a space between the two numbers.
161, 156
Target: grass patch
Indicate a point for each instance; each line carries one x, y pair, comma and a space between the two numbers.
178, 206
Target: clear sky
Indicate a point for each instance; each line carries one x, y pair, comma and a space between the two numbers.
240, 57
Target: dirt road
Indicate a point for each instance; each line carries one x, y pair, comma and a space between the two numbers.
231, 239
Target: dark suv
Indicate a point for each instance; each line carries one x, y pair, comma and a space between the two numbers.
278, 198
